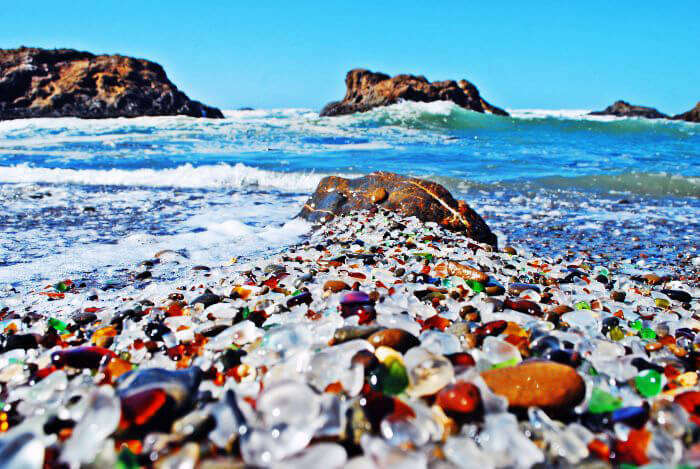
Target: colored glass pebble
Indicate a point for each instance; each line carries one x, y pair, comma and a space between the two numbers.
648, 383
602, 401
59, 325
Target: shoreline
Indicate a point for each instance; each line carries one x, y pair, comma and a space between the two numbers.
411, 377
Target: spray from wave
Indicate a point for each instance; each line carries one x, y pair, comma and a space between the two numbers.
185, 176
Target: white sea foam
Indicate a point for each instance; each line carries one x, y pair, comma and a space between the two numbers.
220, 241
185, 176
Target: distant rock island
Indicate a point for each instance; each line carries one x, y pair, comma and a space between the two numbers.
69, 83
691, 116
625, 109
367, 90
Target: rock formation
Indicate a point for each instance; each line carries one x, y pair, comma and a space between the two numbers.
367, 90
408, 196
65, 82
691, 116
625, 109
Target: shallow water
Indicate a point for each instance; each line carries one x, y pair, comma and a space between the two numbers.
91, 199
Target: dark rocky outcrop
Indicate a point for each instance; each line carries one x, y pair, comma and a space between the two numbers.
65, 82
408, 196
367, 90
691, 116
625, 109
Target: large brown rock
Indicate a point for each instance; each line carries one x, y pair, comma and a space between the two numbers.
66, 82
553, 387
367, 90
428, 201
691, 116
625, 109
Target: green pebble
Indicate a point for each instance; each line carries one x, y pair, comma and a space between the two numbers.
389, 379
126, 460
602, 401
649, 383
58, 324
61, 287
616, 333
637, 325
506, 364
396, 379
477, 287
647, 333
582, 305
662, 302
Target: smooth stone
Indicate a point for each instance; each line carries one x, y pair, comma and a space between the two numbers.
678, 295
553, 387
460, 398
347, 333
466, 272
517, 288
398, 339
618, 296
206, 299
379, 195
335, 286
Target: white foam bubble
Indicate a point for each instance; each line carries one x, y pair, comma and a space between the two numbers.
185, 176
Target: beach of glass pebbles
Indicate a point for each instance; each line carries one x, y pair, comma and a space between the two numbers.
378, 341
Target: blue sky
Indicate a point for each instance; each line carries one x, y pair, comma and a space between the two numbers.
547, 55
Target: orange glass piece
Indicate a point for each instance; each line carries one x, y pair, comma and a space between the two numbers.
634, 450
103, 336
139, 408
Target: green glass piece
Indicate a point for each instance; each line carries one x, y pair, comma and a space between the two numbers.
57, 324
477, 287
637, 325
648, 383
602, 401
582, 305
647, 333
512, 362
389, 378
246, 312
61, 287
126, 460
446, 282
616, 333
296, 292
603, 271
396, 378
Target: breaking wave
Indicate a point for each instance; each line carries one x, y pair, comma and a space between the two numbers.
185, 176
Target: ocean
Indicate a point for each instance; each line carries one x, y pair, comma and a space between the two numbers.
91, 199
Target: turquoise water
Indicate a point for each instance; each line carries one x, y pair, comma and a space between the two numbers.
88, 196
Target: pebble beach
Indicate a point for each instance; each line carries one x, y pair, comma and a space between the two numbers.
376, 341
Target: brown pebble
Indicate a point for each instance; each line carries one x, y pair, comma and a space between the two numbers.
379, 195
335, 286
398, 339
560, 309
618, 295
653, 279
459, 398
466, 272
553, 387
346, 333
509, 250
